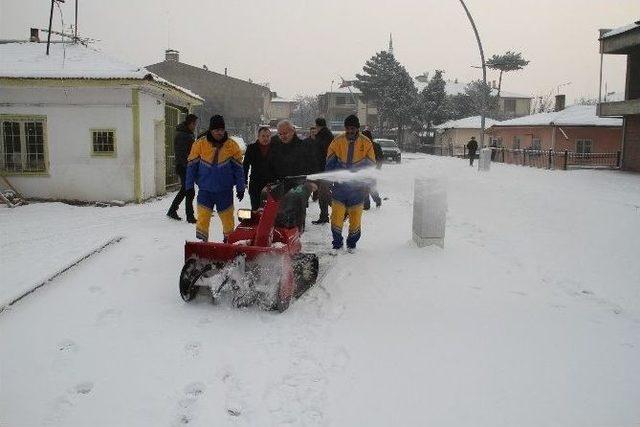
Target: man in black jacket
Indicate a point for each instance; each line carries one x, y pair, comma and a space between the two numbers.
182, 142
257, 158
472, 146
322, 142
290, 157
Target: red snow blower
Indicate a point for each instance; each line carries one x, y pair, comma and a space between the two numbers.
261, 260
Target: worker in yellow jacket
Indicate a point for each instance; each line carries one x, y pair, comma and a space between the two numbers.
215, 165
349, 151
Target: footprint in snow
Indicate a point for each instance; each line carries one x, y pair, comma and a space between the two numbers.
67, 346
234, 404
192, 348
95, 289
108, 317
192, 393
64, 404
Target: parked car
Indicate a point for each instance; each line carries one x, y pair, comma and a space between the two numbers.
390, 150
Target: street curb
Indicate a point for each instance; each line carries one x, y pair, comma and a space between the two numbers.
13, 300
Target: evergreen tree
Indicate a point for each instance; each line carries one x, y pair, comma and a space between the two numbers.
433, 104
472, 101
388, 84
509, 61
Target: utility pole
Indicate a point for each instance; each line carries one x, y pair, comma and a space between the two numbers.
484, 74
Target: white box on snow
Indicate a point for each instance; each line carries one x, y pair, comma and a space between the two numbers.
429, 212
484, 163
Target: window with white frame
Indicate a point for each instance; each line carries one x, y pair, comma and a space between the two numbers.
103, 142
22, 144
584, 146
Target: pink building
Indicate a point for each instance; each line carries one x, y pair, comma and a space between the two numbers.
575, 129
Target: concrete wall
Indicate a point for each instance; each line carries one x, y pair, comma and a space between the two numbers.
73, 172
631, 152
151, 112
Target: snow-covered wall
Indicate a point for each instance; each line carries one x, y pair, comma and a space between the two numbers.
74, 172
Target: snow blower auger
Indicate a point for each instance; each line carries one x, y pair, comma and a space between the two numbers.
260, 262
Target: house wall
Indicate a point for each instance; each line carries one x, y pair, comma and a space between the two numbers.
73, 172
459, 138
631, 152
605, 139
281, 110
151, 112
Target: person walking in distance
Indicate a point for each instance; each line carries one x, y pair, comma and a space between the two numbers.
182, 142
472, 147
256, 159
215, 165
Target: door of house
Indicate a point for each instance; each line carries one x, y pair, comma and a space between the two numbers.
172, 116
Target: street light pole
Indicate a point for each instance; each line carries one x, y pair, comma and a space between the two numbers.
484, 73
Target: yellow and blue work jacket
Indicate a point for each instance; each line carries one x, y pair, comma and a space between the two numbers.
343, 154
215, 167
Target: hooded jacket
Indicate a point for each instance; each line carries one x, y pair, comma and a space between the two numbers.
215, 166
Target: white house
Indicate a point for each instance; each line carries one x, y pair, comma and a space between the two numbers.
457, 133
77, 125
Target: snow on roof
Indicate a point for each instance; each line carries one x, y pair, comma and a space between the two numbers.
575, 115
70, 61
467, 123
278, 99
457, 88
621, 30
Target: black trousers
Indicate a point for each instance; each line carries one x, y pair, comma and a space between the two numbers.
324, 198
472, 156
374, 195
183, 194
255, 194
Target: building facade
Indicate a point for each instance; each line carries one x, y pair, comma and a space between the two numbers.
281, 109
625, 41
75, 125
244, 104
456, 133
337, 104
576, 129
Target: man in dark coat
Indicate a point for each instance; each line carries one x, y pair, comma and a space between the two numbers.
472, 147
257, 159
290, 156
182, 142
322, 142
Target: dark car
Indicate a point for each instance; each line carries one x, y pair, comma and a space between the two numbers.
390, 150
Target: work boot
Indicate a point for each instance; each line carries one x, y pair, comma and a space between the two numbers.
351, 249
174, 215
320, 221
191, 219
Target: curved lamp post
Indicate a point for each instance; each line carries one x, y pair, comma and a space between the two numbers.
484, 73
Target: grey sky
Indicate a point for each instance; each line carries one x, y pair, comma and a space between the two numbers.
299, 46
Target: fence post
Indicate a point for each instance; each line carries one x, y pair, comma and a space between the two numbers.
549, 163
524, 158
566, 158
618, 159
503, 150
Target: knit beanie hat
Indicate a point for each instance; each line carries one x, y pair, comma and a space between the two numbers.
352, 120
216, 122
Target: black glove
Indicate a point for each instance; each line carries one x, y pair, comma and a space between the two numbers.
240, 195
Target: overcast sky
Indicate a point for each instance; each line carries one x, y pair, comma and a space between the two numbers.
300, 46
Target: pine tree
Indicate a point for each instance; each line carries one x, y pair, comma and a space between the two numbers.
433, 105
388, 84
509, 61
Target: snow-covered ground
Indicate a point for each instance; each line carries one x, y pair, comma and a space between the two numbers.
530, 315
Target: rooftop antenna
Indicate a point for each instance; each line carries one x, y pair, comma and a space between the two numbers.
51, 22
75, 31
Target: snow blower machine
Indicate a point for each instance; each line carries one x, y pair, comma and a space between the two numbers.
260, 262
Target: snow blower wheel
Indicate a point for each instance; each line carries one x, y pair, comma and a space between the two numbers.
188, 278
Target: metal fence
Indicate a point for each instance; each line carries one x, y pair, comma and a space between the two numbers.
544, 159
549, 159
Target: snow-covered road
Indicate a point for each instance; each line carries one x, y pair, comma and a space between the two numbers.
529, 316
